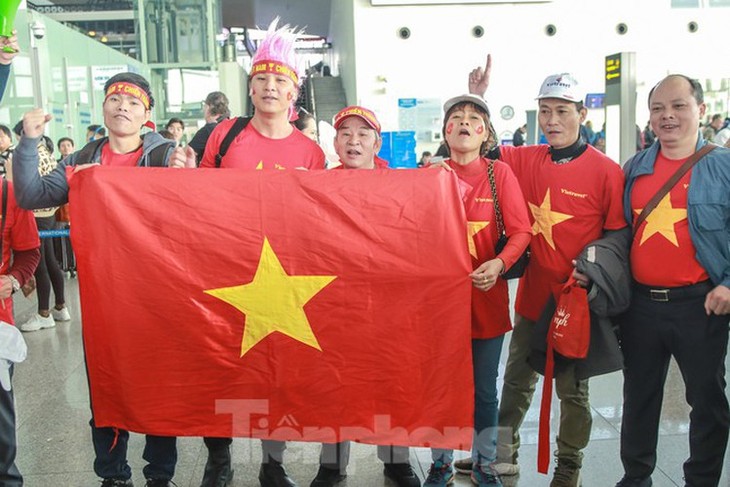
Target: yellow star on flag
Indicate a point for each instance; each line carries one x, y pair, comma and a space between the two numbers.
662, 221
274, 301
473, 228
260, 165
546, 219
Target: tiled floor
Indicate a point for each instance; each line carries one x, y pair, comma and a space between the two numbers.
55, 446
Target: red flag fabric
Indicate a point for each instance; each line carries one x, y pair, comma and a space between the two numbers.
290, 305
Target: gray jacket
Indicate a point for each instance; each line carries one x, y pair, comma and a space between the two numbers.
606, 263
33, 191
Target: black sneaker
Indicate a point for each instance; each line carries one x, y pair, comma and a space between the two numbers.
634, 482
272, 474
463, 466
402, 474
160, 483
327, 477
117, 483
218, 471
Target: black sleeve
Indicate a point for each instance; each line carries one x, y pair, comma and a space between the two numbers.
4, 73
494, 153
200, 139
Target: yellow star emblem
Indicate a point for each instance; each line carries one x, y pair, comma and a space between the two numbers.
662, 221
472, 229
274, 301
546, 219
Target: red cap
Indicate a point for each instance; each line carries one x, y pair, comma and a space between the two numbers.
355, 111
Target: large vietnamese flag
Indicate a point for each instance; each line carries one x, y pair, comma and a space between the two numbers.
290, 305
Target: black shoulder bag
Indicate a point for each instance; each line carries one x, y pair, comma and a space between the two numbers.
518, 268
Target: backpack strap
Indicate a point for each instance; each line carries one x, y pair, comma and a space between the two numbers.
236, 128
88, 152
158, 156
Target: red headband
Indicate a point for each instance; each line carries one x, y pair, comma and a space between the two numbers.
275, 67
130, 89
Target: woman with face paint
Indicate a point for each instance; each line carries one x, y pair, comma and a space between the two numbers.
468, 134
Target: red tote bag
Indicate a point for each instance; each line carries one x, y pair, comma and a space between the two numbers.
569, 334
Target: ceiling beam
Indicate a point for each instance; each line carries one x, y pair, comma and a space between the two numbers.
91, 16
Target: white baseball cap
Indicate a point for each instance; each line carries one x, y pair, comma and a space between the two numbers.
563, 86
470, 98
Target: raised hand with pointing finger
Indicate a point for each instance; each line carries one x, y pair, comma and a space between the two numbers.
479, 78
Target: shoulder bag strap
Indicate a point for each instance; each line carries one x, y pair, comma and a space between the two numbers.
493, 186
693, 159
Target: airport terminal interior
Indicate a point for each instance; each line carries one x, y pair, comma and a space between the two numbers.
400, 58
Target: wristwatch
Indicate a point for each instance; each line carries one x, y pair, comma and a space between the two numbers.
14, 282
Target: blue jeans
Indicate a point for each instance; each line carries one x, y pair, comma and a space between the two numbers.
485, 358
160, 452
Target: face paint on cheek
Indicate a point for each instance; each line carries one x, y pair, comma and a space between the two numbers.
480, 130
450, 128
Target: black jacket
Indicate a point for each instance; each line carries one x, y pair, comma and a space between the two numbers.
200, 139
33, 191
606, 263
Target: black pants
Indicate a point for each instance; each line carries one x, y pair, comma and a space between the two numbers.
651, 333
9, 474
270, 449
48, 273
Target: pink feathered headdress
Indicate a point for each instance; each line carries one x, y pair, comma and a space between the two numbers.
276, 54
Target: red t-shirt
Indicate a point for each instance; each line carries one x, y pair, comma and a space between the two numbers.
251, 150
664, 236
570, 205
380, 163
110, 158
490, 310
21, 233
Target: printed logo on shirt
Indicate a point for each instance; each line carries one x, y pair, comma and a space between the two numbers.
483, 200
573, 193
260, 166
686, 185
